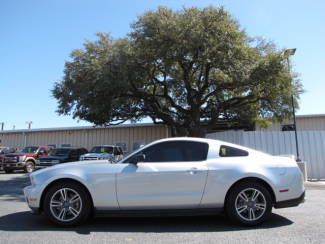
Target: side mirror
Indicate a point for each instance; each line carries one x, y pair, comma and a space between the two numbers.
139, 158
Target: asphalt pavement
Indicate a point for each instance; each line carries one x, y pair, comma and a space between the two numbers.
302, 224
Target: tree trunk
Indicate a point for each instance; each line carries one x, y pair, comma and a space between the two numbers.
180, 131
197, 131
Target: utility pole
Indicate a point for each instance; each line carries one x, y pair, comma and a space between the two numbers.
29, 123
287, 53
2, 125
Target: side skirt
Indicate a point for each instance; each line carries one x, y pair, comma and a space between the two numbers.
159, 212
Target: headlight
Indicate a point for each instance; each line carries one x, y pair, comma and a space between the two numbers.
22, 158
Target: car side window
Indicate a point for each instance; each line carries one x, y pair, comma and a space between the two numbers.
176, 151
227, 151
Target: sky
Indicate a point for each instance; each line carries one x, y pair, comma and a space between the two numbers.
37, 37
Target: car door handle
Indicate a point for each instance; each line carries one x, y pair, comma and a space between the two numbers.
192, 171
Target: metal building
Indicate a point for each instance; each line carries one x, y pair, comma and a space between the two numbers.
128, 136
312, 122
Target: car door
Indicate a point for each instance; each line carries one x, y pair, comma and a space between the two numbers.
173, 175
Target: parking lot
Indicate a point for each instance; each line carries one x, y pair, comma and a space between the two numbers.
303, 224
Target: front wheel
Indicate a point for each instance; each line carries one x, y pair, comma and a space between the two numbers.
29, 167
249, 203
67, 204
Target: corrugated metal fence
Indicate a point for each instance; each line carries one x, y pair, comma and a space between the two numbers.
311, 146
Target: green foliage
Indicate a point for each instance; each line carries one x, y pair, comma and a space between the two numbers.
194, 70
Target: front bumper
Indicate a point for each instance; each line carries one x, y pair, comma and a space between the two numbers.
13, 166
32, 197
290, 203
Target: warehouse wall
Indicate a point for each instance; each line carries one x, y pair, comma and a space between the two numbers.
304, 123
86, 137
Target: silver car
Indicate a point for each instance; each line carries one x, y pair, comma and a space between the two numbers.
175, 176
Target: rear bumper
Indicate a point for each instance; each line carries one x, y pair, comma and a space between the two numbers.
291, 202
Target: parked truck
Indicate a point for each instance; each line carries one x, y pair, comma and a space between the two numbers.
3, 152
25, 159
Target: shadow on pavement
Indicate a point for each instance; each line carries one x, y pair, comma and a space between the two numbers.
26, 221
11, 188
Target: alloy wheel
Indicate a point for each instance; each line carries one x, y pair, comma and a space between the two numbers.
250, 204
65, 204
29, 167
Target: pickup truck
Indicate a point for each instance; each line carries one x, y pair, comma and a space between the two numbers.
25, 159
111, 153
3, 152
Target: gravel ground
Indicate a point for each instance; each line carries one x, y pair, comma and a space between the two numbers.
302, 224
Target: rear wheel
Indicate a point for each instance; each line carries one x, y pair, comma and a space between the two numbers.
249, 203
67, 204
29, 167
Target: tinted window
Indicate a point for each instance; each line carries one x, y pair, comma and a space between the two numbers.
120, 152
226, 151
29, 150
176, 151
60, 152
100, 149
42, 150
137, 145
122, 145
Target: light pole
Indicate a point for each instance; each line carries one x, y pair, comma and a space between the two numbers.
287, 53
29, 124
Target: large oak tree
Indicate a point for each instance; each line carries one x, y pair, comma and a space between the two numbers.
194, 70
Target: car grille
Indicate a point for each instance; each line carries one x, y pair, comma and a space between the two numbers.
11, 159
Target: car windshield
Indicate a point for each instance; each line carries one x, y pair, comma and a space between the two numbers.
29, 150
102, 150
59, 152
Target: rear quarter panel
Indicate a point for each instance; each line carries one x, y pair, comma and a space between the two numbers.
226, 171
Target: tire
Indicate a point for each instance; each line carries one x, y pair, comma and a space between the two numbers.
8, 171
29, 167
242, 209
67, 213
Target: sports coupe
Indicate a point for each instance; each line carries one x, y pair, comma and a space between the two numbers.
171, 176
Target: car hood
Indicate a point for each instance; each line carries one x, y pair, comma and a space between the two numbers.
69, 167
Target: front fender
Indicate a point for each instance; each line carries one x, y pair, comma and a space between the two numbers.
100, 185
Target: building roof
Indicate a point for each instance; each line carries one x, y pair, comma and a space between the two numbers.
310, 115
80, 128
